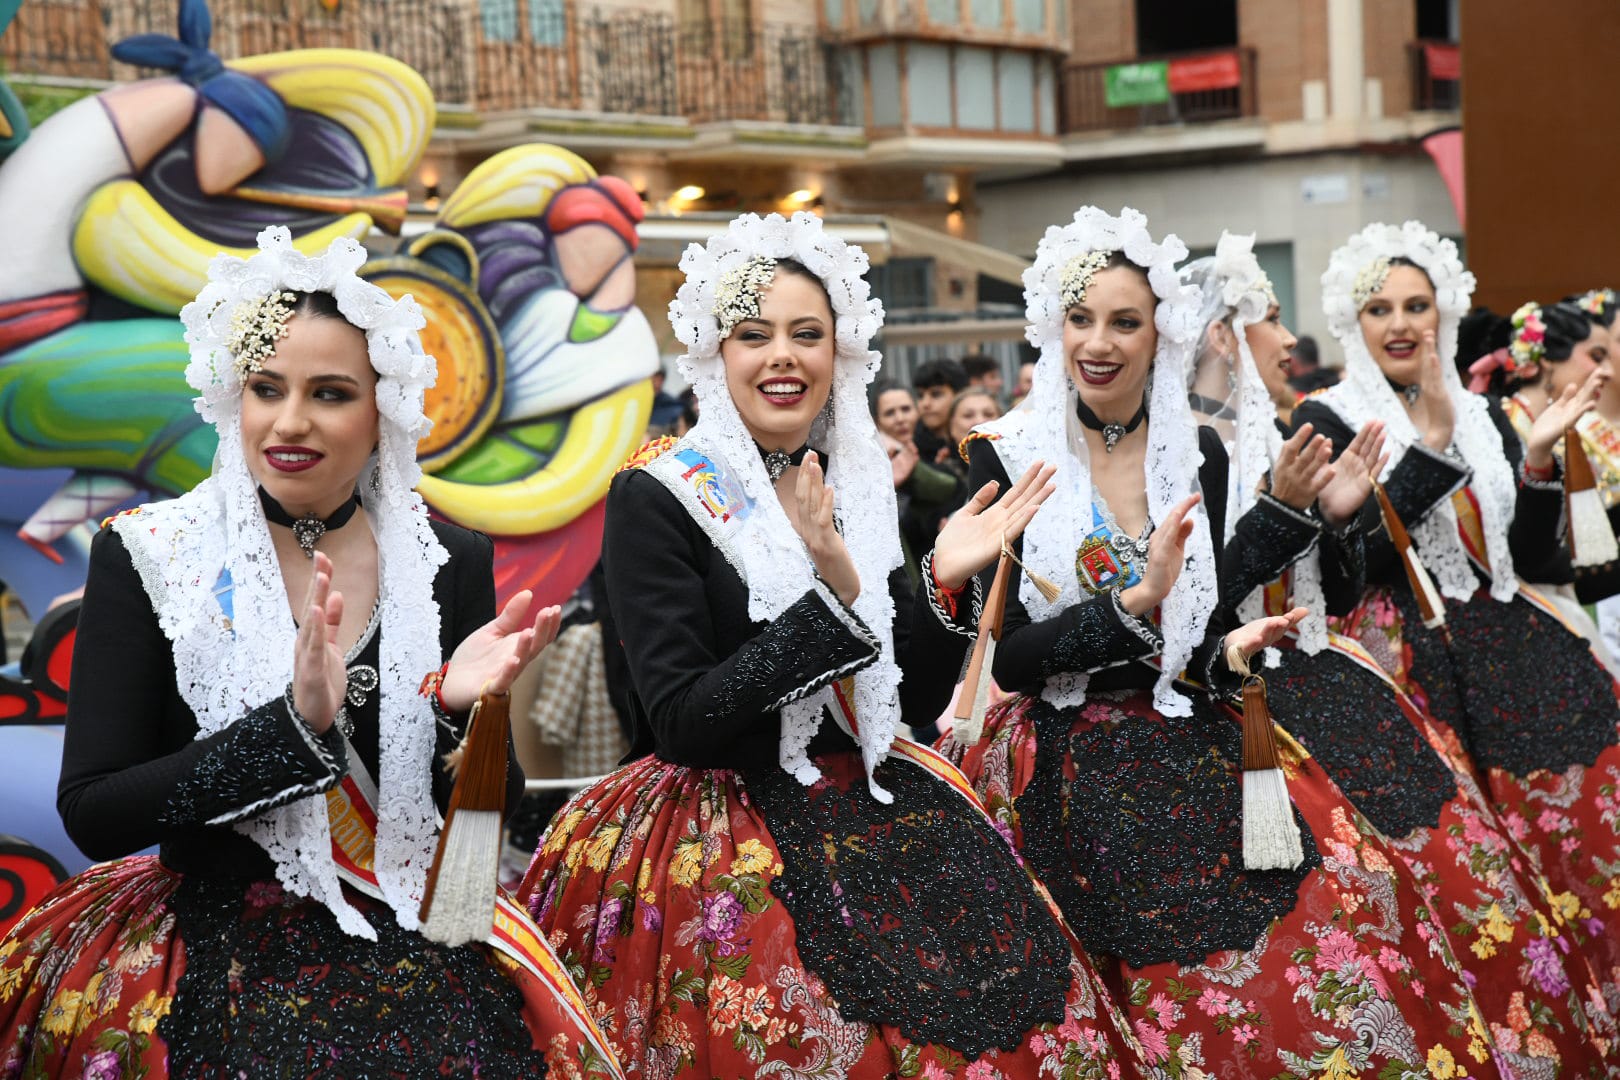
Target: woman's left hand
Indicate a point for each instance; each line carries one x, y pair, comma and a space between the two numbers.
971, 538
1341, 497
1560, 415
495, 654
1250, 638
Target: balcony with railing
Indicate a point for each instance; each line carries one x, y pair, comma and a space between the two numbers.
1436, 76
1032, 24
486, 55
1156, 91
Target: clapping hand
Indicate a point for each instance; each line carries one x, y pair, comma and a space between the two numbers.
320, 677
1303, 468
1167, 550
492, 657
816, 528
972, 537
1559, 416
1342, 496
1250, 638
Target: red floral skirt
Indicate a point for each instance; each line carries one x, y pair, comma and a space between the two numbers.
1347, 975
97, 982
1536, 678
1515, 944
662, 889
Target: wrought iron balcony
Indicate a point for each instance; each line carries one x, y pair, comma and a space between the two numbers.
488, 55
1191, 88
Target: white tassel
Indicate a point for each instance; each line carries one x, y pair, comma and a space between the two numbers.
1271, 839
463, 907
1430, 596
1591, 539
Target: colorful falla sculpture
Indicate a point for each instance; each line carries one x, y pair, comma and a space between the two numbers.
115, 205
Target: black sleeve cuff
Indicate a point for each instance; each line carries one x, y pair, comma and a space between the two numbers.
1422, 480
267, 759
1099, 633
1268, 539
812, 644
966, 619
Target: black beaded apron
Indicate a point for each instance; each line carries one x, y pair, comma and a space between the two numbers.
1349, 720
1134, 821
916, 914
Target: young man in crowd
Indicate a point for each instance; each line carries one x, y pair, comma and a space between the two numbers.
936, 383
985, 373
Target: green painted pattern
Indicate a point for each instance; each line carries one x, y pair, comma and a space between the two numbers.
106, 397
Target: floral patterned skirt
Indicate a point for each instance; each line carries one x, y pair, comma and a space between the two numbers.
132, 971
1335, 970
708, 941
1521, 691
1507, 927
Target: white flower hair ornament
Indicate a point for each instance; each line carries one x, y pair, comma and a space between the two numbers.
1045, 427
727, 279
1357, 271
209, 567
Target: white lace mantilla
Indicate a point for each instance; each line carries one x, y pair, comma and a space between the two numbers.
768, 553
1044, 427
1235, 288
226, 667
1364, 395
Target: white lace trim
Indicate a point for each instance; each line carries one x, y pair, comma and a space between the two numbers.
226, 667
1234, 287
766, 551
1045, 427
1364, 394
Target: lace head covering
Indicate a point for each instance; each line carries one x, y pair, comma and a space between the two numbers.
1364, 394
1236, 291
215, 539
1045, 427
722, 280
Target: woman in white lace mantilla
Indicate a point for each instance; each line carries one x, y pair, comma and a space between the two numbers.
1484, 657
261, 688
1119, 765
779, 883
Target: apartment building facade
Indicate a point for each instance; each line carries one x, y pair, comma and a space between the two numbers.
947, 133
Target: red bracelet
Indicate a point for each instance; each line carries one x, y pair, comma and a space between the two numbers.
1544, 472
433, 685
945, 597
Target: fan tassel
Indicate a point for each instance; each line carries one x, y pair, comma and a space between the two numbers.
1271, 839
458, 905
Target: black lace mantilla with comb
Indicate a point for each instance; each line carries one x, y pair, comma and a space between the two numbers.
916, 914
1135, 823
273, 987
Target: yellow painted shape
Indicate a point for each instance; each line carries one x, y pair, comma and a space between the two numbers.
129, 245
519, 182
601, 434
385, 104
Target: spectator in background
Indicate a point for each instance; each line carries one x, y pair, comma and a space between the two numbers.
969, 409
936, 382
924, 493
666, 410
1026, 380
984, 373
689, 412
1305, 371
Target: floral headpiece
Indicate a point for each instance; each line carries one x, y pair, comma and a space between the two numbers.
1370, 280
1529, 345
256, 326
1597, 301
737, 293
1077, 275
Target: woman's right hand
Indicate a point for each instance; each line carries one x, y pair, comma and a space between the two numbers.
320, 678
1436, 398
1167, 550
820, 536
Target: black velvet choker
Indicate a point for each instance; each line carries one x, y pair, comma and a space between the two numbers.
309, 528
1409, 393
1111, 433
778, 462
1214, 408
